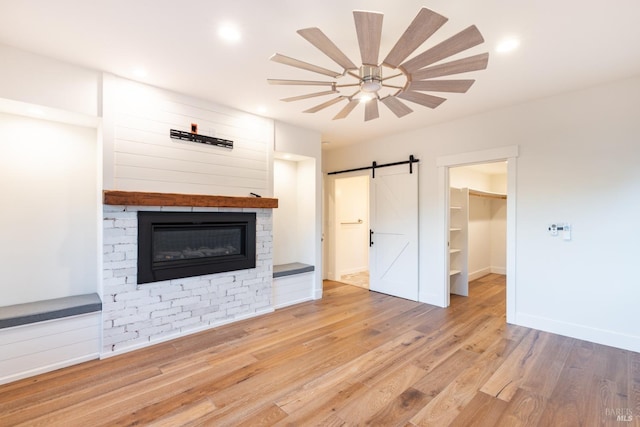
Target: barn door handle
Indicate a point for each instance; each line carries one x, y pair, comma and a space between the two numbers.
370, 238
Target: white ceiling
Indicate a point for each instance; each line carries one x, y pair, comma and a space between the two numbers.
565, 45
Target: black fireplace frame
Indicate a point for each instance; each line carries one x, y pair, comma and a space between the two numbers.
152, 271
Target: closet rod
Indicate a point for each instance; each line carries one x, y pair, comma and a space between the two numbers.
479, 193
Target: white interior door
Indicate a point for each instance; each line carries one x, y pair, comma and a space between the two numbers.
394, 231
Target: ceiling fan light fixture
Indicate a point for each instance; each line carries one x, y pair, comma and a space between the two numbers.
372, 87
370, 79
365, 97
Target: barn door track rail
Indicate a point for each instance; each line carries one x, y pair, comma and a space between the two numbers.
375, 166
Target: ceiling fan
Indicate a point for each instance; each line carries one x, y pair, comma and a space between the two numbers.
408, 80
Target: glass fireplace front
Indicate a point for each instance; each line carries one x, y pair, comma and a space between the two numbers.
172, 245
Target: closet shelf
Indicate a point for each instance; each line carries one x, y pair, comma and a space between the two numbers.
488, 194
458, 235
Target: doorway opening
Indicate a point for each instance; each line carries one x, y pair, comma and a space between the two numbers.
477, 224
508, 154
351, 256
375, 227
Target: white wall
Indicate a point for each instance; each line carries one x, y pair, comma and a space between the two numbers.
304, 147
578, 163
464, 177
48, 220
498, 258
480, 239
285, 218
498, 183
43, 81
308, 194
139, 155
294, 220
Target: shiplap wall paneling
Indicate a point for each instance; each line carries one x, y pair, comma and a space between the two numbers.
147, 159
294, 289
45, 346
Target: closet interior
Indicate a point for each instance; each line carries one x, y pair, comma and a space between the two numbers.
477, 223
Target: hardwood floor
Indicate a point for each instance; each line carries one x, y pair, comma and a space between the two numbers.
353, 358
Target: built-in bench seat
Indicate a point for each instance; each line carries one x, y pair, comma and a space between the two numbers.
39, 311
290, 269
293, 283
42, 336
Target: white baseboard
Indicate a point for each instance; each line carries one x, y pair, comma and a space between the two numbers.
353, 270
106, 355
586, 333
48, 368
487, 270
499, 270
288, 303
479, 273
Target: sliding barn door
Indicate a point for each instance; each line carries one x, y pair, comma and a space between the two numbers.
393, 261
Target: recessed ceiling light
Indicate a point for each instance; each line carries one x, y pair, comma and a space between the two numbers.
261, 109
287, 156
508, 45
229, 32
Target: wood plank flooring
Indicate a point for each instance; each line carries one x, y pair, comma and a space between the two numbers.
353, 358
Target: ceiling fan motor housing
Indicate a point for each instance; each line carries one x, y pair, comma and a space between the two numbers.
370, 78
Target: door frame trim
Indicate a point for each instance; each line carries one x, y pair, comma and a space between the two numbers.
443, 163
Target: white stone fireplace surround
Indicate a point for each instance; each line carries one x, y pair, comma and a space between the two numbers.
139, 315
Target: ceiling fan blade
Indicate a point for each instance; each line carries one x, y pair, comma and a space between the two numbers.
299, 82
371, 110
422, 98
369, 30
324, 105
471, 63
347, 109
310, 95
423, 26
317, 38
396, 106
464, 40
457, 86
304, 65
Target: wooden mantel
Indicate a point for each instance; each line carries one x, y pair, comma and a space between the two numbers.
136, 198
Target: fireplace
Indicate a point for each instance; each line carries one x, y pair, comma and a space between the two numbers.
172, 245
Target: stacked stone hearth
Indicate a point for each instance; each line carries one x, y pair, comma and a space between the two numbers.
136, 315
